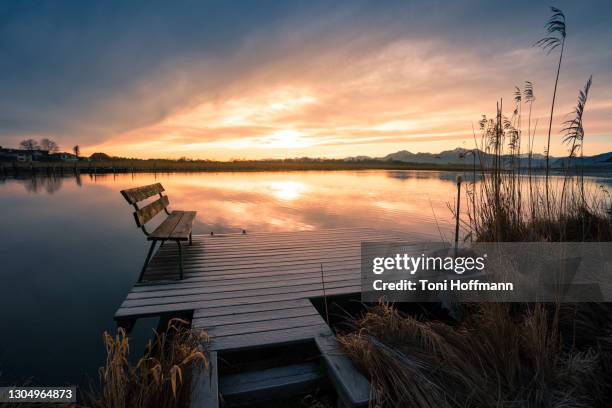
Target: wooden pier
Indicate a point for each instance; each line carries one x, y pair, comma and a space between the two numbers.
253, 291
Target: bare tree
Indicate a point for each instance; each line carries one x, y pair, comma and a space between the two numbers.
77, 150
29, 145
49, 145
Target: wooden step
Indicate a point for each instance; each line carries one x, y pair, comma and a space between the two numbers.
352, 387
268, 384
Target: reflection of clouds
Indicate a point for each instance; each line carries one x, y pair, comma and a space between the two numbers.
394, 205
277, 201
303, 200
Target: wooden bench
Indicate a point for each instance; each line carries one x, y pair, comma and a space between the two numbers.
176, 227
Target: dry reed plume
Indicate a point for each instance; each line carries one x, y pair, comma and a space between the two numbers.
160, 378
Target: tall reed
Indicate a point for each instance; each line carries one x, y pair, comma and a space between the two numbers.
556, 29
574, 137
496, 210
160, 378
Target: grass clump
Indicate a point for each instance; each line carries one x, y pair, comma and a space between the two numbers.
500, 355
160, 378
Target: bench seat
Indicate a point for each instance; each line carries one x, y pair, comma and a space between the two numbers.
176, 227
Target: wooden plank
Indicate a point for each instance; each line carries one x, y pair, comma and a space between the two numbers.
272, 337
209, 322
251, 243
274, 382
174, 229
134, 195
295, 243
248, 293
204, 312
210, 256
164, 230
201, 251
287, 247
246, 240
184, 304
353, 388
264, 326
257, 249
205, 384
194, 274
279, 235
149, 211
253, 283
313, 279
269, 263
183, 228
242, 264
154, 310
284, 274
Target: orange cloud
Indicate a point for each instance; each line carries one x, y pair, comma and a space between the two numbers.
415, 95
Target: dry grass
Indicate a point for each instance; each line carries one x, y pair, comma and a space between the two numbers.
505, 205
501, 355
160, 378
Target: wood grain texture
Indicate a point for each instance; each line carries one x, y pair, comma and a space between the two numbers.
146, 213
177, 226
353, 388
205, 384
137, 194
260, 385
253, 290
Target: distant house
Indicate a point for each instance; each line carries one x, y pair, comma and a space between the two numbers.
99, 157
35, 155
65, 157
8, 154
23, 155
38, 155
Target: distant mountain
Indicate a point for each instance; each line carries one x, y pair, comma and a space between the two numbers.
604, 159
456, 156
461, 156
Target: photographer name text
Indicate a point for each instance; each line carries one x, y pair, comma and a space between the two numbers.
445, 285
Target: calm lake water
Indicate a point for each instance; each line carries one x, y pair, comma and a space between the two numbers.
70, 248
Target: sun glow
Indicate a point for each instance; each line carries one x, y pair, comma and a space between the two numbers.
378, 104
287, 190
285, 139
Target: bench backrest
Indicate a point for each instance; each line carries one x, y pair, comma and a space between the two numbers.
146, 213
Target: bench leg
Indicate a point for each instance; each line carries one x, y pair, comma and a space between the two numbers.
190, 239
144, 267
180, 248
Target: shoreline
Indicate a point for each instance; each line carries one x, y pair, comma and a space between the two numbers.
127, 166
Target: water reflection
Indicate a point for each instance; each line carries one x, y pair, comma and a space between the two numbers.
40, 184
74, 249
411, 201
287, 190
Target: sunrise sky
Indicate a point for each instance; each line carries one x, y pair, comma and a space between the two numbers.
260, 79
